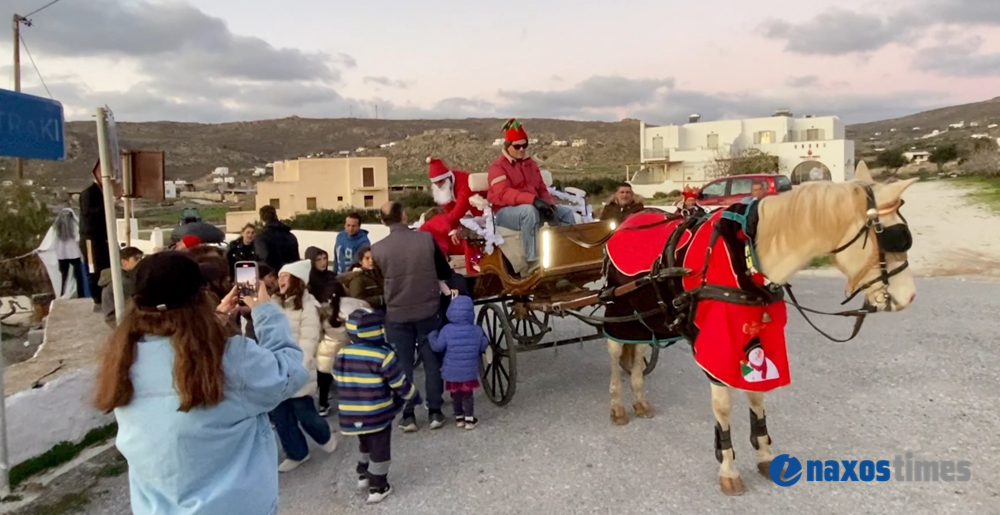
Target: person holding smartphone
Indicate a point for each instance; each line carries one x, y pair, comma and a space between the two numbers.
191, 401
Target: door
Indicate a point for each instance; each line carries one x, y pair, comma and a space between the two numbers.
714, 193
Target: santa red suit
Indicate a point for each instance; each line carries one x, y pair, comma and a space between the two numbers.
453, 195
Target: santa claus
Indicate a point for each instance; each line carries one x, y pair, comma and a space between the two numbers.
451, 192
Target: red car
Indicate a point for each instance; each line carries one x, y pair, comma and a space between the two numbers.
727, 191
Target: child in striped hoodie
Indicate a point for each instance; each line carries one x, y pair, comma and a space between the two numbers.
372, 389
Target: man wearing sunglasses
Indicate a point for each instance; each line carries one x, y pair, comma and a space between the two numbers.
518, 194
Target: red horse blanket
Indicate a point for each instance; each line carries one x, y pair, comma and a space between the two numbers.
739, 345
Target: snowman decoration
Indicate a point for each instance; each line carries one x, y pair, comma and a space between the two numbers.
757, 367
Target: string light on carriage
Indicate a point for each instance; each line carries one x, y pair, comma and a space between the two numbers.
613, 225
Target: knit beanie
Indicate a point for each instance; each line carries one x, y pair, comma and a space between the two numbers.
366, 326
298, 269
167, 280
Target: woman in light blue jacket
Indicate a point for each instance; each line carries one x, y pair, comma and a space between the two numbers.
191, 400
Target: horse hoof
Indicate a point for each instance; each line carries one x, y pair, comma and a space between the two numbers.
643, 409
764, 468
618, 416
731, 485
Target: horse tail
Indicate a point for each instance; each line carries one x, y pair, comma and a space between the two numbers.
628, 356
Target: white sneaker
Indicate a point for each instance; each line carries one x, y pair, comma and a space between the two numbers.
377, 496
290, 465
331, 446
362, 482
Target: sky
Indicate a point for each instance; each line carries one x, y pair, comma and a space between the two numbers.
659, 61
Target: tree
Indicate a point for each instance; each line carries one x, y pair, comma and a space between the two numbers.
23, 221
892, 160
943, 154
743, 162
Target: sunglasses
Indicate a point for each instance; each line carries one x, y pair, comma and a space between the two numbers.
520, 146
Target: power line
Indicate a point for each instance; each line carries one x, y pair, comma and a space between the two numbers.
32, 59
42, 8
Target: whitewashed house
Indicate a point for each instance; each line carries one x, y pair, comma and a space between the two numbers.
498, 142
579, 143
673, 156
980, 136
958, 125
560, 143
169, 189
220, 171
917, 157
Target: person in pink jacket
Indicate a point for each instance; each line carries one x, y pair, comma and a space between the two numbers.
518, 194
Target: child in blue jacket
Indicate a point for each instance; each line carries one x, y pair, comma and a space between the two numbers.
372, 388
462, 342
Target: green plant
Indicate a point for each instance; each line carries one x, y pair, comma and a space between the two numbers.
595, 186
943, 154
418, 199
330, 219
61, 453
891, 159
23, 221
821, 262
748, 161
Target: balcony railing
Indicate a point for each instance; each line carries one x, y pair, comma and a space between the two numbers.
655, 154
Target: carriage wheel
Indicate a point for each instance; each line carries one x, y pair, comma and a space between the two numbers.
498, 365
654, 356
528, 328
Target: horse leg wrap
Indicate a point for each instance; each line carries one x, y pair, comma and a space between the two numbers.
722, 442
758, 428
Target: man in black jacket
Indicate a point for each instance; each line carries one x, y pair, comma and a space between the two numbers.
94, 238
276, 245
414, 269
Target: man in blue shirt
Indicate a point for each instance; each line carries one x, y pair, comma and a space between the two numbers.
349, 243
757, 191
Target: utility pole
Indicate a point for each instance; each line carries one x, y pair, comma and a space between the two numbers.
19, 166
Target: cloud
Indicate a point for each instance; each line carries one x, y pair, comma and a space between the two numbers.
597, 95
961, 59
387, 82
804, 81
839, 31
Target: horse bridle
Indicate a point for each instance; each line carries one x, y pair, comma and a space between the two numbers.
895, 238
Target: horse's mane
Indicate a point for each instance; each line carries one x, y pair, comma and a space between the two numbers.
809, 221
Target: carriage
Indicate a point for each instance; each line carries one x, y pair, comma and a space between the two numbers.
516, 309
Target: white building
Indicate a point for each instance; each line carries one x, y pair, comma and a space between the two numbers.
958, 125
578, 143
169, 189
917, 157
980, 136
259, 171
221, 171
807, 148
560, 143
497, 142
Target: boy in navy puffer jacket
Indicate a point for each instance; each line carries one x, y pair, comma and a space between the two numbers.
461, 341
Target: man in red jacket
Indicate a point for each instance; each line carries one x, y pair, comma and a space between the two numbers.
518, 194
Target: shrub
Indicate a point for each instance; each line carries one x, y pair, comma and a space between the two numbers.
985, 163
594, 187
330, 219
23, 221
418, 199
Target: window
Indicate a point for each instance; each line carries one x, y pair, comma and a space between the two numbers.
713, 141
740, 186
763, 137
782, 183
814, 134
340, 199
368, 178
311, 203
369, 201
716, 189
275, 203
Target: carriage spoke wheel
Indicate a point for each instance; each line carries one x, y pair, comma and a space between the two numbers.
529, 329
498, 365
650, 361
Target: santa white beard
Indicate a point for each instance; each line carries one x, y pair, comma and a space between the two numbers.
443, 195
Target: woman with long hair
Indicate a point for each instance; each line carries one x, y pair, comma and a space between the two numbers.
368, 285
192, 402
61, 247
302, 311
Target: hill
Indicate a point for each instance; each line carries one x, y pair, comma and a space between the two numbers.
193, 150
914, 132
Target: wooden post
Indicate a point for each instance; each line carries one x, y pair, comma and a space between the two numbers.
18, 163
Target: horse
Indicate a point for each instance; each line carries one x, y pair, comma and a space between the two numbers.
716, 280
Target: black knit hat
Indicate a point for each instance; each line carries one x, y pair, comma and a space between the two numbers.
167, 280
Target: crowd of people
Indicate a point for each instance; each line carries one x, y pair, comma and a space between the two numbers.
206, 378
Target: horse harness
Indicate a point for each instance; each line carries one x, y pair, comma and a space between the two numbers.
680, 311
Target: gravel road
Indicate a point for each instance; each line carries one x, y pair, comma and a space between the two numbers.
923, 381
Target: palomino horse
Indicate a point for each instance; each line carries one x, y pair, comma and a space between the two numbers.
716, 281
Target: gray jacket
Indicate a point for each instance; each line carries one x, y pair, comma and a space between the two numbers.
411, 264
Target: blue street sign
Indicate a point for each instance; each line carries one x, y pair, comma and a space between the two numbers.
31, 127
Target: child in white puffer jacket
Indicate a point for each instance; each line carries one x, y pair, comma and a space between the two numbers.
334, 338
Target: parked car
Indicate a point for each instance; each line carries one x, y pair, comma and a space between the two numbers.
727, 191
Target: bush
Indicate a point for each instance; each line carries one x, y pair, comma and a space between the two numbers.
984, 163
418, 200
593, 187
331, 220
23, 221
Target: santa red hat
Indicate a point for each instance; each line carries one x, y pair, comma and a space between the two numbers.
437, 170
690, 192
513, 131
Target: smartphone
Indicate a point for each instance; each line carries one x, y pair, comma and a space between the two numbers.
246, 279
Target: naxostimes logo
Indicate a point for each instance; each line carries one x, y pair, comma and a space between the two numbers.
787, 470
